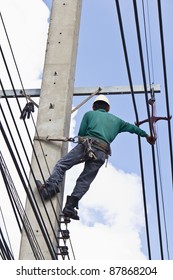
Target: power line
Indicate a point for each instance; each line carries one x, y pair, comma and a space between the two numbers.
5, 249
148, 112
137, 119
151, 71
29, 138
18, 208
165, 84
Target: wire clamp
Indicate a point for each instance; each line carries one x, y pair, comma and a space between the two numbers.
153, 119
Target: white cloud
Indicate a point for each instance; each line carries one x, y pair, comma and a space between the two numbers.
111, 216
27, 25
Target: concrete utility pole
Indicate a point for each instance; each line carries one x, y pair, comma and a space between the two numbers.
54, 110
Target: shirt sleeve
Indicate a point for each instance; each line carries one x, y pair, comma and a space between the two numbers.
127, 127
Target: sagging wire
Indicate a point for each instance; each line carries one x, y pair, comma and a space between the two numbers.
34, 206
28, 134
30, 105
29, 184
6, 249
151, 69
17, 205
165, 84
148, 112
35, 179
27, 131
162, 197
18, 151
137, 119
5, 252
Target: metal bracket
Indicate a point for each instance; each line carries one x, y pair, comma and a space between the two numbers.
153, 119
48, 139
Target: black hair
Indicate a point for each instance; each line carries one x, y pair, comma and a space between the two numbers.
100, 105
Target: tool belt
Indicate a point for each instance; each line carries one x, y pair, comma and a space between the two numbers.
96, 143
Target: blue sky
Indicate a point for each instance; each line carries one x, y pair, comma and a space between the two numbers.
100, 62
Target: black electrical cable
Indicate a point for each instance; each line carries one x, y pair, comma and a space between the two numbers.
137, 119
25, 155
162, 197
11, 199
150, 43
40, 221
20, 175
26, 97
14, 197
29, 161
146, 42
5, 251
27, 178
5, 227
165, 84
10, 46
31, 171
153, 96
148, 112
25, 127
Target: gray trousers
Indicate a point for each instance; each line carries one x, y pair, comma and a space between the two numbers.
76, 156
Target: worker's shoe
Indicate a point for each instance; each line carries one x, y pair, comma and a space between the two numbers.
69, 211
46, 191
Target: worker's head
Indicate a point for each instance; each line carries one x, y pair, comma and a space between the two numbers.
101, 102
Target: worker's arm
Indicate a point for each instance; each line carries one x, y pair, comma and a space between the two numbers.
127, 127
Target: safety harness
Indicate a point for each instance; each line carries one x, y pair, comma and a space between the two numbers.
89, 142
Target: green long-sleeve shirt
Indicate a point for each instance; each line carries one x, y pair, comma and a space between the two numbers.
106, 126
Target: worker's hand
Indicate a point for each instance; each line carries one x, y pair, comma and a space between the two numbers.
151, 140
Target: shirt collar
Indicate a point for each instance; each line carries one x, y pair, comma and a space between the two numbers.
101, 110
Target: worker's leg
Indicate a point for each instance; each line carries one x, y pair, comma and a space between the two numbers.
72, 158
75, 156
88, 174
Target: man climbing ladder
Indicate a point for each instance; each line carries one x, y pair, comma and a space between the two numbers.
97, 131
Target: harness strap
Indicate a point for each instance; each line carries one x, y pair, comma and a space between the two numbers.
105, 147
88, 148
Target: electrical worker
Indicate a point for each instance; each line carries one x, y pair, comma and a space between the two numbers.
97, 130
